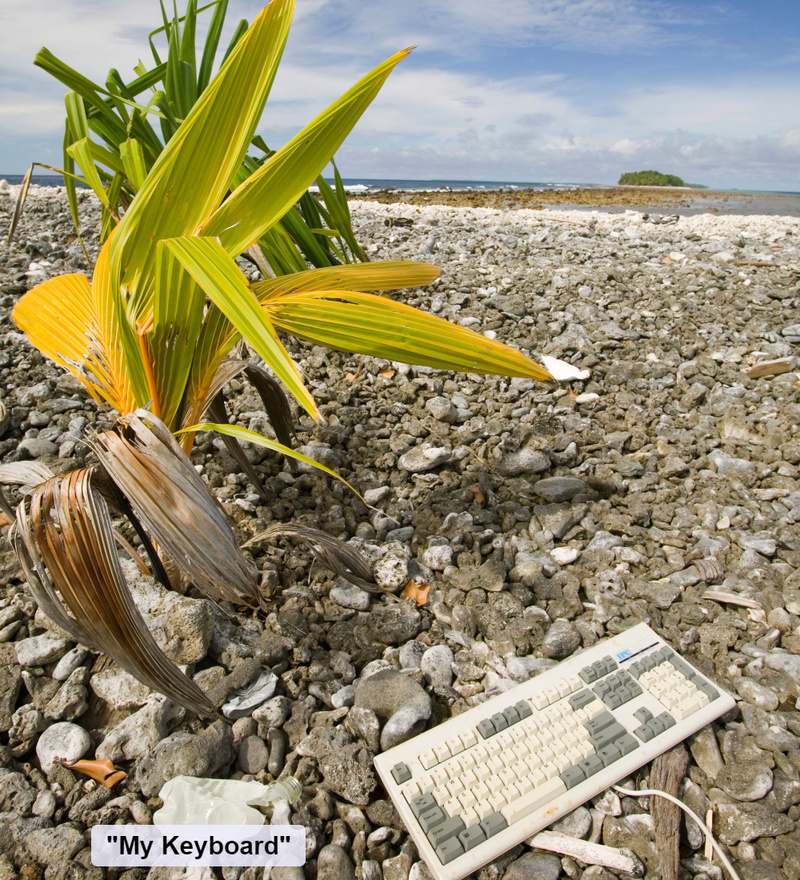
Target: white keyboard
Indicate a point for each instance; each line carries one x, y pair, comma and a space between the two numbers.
477, 785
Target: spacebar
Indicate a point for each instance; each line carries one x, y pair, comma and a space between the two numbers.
540, 796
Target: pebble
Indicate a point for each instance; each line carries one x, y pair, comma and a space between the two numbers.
350, 596
757, 694
555, 489
40, 650
253, 755
63, 743
69, 663
437, 666
421, 459
534, 866
333, 863
561, 640
398, 700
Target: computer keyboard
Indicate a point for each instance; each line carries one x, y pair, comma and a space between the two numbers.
480, 783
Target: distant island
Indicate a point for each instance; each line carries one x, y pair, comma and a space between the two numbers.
650, 178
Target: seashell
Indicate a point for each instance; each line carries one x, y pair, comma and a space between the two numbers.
710, 570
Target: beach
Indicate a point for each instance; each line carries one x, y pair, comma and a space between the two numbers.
657, 482
685, 201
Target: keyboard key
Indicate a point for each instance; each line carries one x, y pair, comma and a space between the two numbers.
428, 759
493, 824
471, 837
422, 803
449, 850
581, 699
451, 827
540, 796
591, 765
431, 818
485, 728
499, 721
401, 773
572, 776
523, 709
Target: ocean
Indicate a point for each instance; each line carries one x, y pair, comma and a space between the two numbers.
360, 184
758, 202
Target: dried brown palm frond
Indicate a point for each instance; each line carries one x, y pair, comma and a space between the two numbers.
64, 540
142, 457
340, 558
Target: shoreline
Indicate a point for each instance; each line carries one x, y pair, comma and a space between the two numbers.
683, 201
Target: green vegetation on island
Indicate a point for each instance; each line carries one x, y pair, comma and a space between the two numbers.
650, 178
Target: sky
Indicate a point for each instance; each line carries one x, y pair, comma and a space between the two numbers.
562, 91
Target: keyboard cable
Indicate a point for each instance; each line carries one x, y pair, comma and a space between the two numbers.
645, 792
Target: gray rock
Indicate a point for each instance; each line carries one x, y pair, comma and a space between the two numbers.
274, 713
399, 700
140, 733
437, 666
442, 408
438, 557
45, 804
554, 489
333, 863
350, 596
423, 458
561, 640
70, 662
63, 743
278, 742
556, 518
728, 466
534, 866
10, 684
17, 795
119, 688
757, 694
36, 447
364, 723
26, 723
394, 624
373, 496
186, 754
491, 576
346, 766
525, 461
71, 701
40, 650
578, 823
411, 654
253, 755
705, 750
54, 846
397, 868
745, 782
735, 822
391, 570
181, 626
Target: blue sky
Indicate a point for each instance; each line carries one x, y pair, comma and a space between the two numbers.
526, 90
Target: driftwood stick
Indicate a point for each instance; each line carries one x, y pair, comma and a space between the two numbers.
583, 850
668, 772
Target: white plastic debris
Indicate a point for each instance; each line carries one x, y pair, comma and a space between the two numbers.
561, 370
192, 801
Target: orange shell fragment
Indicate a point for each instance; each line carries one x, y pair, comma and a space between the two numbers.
417, 592
102, 771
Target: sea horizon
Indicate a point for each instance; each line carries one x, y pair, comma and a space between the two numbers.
368, 184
